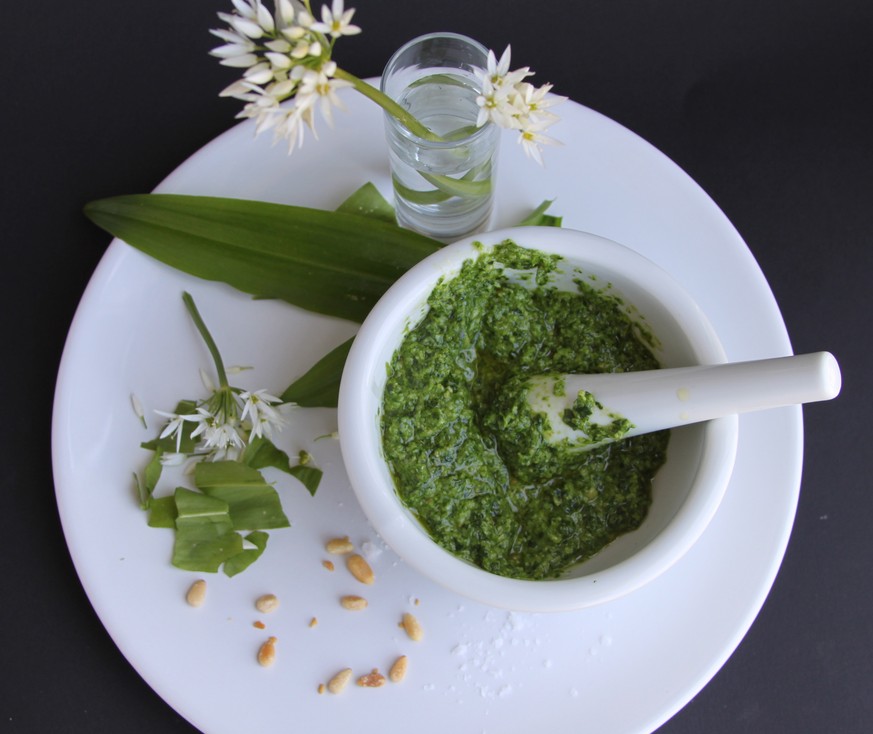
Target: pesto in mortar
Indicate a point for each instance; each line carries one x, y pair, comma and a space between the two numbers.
470, 460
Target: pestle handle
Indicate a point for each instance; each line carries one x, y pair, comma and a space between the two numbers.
666, 398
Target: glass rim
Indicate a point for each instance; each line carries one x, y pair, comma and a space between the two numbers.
418, 40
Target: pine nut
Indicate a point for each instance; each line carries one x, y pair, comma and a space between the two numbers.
196, 593
398, 669
339, 546
267, 603
360, 569
267, 653
339, 681
412, 627
354, 603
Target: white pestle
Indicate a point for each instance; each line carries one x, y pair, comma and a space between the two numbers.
667, 398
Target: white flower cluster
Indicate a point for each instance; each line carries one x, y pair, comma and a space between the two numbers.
511, 102
285, 55
226, 421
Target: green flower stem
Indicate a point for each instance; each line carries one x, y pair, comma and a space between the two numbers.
388, 104
207, 337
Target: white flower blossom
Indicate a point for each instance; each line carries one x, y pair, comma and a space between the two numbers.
258, 408
173, 427
336, 21
509, 101
532, 139
318, 88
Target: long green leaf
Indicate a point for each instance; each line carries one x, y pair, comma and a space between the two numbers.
333, 263
368, 202
319, 386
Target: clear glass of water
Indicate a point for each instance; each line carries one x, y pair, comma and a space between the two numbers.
443, 183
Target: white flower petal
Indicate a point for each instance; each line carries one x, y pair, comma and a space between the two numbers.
244, 9
246, 27
231, 49
280, 46
285, 11
265, 18
260, 74
279, 61
240, 62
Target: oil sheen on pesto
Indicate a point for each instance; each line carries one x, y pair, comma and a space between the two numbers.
468, 456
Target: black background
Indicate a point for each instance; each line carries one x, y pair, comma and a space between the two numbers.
767, 105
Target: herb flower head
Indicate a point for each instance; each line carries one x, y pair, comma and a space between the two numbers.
286, 57
221, 425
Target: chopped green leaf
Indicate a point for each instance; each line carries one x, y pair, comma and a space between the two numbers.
247, 556
261, 453
197, 508
319, 387
204, 532
252, 503
204, 548
162, 512
141, 492
310, 476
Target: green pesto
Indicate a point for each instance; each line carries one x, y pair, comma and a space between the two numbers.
579, 417
469, 457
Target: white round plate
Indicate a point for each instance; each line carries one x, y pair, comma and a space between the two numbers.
626, 666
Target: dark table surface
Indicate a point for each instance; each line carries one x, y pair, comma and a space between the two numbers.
768, 106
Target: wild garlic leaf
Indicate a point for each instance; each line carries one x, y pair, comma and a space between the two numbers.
262, 453
252, 503
368, 202
310, 476
538, 217
205, 537
197, 508
162, 512
198, 549
151, 477
319, 386
333, 263
246, 557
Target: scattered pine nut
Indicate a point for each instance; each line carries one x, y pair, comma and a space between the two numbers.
360, 569
339, 681
355, 603
373, 679
398, 669
313, 622
328, 565
267, 603
321, 688
267, 653
196, 593
339, 546
259, 625
412, 627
